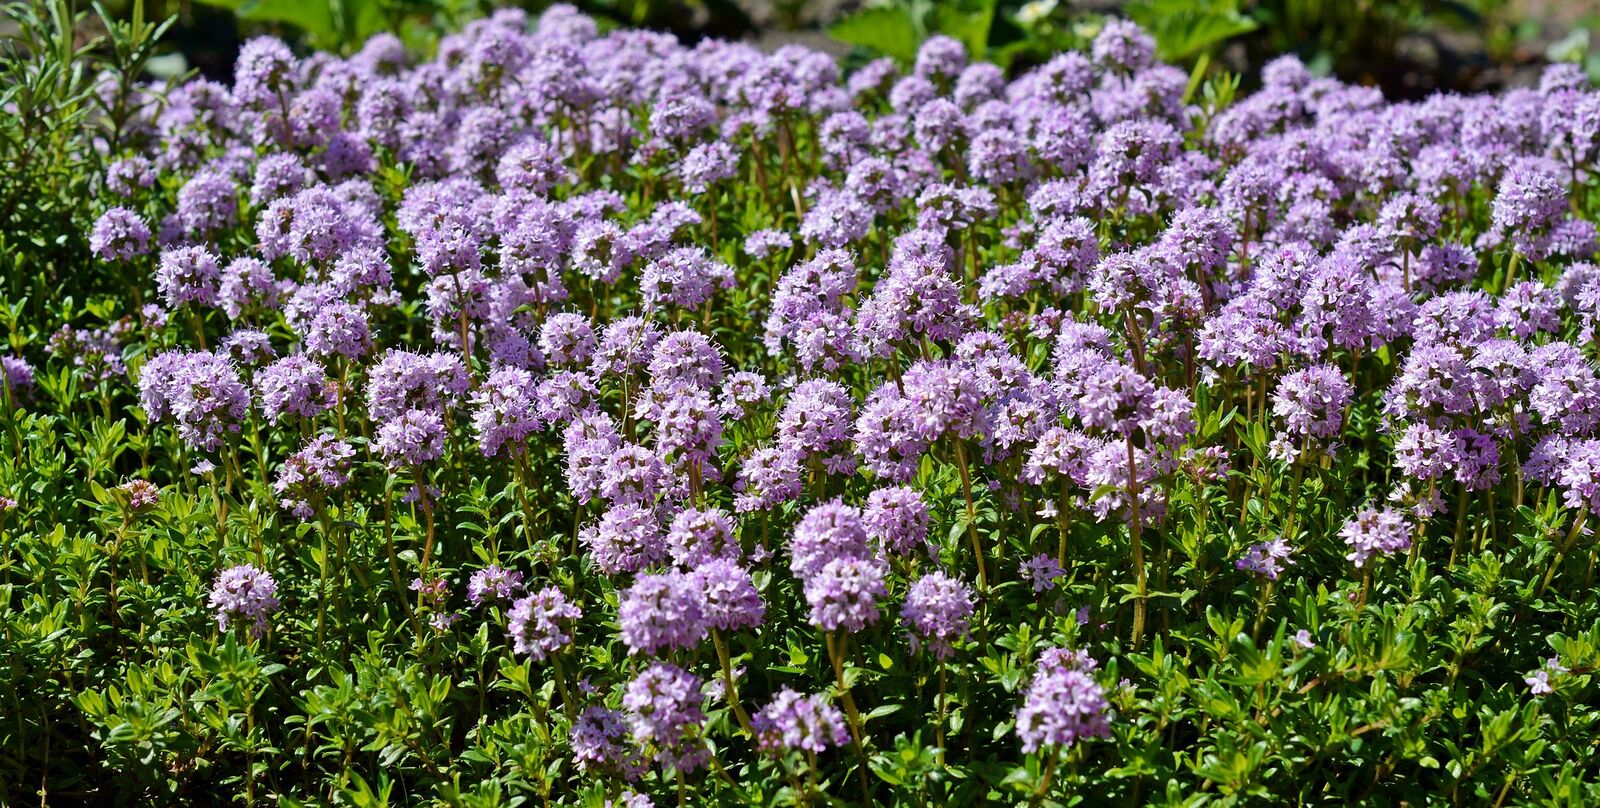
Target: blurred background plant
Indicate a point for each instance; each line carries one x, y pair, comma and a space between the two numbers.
1406, 47
66, 79
65, 67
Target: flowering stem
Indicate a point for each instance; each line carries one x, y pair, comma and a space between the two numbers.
1062, 518
1294, 494
811, 777
1566, 545
730, 689
199, 328
388, 541
461, 312
1045, 779
1136, 528
522, 497
836, 656
938, 730
568, 706
1461, 522
1261, 609
972, 513
427, 514
322, 586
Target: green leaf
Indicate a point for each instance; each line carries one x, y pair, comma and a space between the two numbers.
313, 18
887, 30
968, 22
1184, 29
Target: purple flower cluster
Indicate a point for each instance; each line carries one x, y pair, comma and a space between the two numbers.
539, 624
1052, 299
937, 610
1062, 706
244, 594
1375, 533
663, 705
795, 721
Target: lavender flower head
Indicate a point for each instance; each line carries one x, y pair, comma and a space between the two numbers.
827, 532
792, 721
1266, 559
1061, 707
540, 624
1310, 403
493, 584
844, 594
414, 438
321, 466
244, 593
141, 495
896, 519
1375, 532
600, 742
663, 705
730, 600
662, 611
937, 609
188, 275
699, 535
119, 235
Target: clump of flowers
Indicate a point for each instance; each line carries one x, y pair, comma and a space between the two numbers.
244, 594
493, 584
1266, 558
541, 624
1376, 533
792, 721
937, 610
1062, 706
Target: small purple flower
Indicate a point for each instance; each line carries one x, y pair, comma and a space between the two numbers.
244, 593
829, 531
795, 721
730, 598
321, 466
1266, 559
699, 535
188, 275
1539, 683
567, 340
627, 538
540, 624
141, 494
294, 385
663, 705
599, 741
769, 476
662, 611
937, 609
896, 519
844, 594
763, 244
1061, 707
493, 584
504, 410
1310, 402
1042, 571
1376, 533
199, 390
17, 377
412, 439
119, 235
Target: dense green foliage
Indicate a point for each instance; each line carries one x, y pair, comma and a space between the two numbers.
1406, 682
